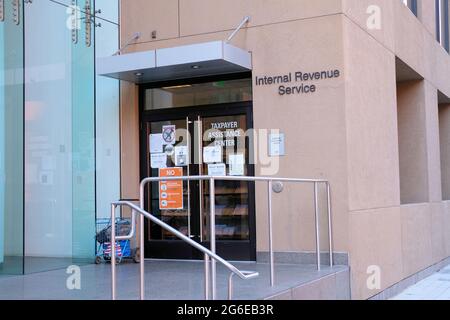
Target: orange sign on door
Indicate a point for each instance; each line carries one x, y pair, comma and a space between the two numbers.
171, 191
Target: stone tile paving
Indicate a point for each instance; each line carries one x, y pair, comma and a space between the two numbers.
435, 287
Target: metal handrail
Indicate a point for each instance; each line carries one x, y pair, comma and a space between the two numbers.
245, 275
269, 181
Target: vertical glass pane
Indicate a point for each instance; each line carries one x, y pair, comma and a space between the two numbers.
11, 139
59, 137
438, 20
446, 25
232, 197
107, 112
413, 6
108, 10
48, 137
83, 126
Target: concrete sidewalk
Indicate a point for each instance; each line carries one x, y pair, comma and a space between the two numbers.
435, 287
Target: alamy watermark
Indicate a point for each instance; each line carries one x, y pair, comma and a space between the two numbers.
252, 144
73, 281
374, 20
374, 277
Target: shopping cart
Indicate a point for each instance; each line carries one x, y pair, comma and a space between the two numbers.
123, 247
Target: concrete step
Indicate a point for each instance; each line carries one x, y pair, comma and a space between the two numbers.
182, 280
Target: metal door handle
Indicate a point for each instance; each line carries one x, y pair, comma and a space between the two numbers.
200, 171
188, 182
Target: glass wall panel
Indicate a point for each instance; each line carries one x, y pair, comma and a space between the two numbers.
107, 111
59, 135
108, 10
51, 123
11, 138
83, 139
48, 145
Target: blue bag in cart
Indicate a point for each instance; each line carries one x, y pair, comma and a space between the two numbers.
123, 247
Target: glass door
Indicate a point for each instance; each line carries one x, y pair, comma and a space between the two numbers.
206, 141
167, 153
225, 135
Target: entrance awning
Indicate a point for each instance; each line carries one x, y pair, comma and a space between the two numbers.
190, 61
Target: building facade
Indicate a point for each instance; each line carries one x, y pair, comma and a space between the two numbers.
355, 92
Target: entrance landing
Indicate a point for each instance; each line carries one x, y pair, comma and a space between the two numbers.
181, 280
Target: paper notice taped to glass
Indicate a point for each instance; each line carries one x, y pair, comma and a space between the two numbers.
156, 143
236, 163
212, 154
171, 192
158, 160
181, 156
218, 169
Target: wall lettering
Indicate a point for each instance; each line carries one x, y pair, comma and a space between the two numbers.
297, 82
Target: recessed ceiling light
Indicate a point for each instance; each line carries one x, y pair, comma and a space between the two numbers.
195, 67
138, 74
177, 87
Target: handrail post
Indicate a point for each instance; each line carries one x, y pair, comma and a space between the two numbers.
141, 245
209, 254
330, 231
316, 211
113, 252
271, 254
207, 285
212, 222
230, 286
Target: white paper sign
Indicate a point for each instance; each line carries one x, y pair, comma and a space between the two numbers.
212, 154
277, 145
156, 143
181, 156
236, 162
158, 160
218, 169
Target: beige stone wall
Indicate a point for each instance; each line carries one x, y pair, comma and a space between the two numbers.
347, 132
129, 141
399, 128
320, 150
412, 142
315, 132
405, 36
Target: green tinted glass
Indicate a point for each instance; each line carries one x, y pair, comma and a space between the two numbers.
11, 138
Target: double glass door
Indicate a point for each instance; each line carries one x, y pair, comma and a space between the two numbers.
204, 141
